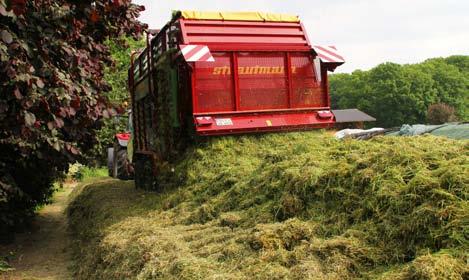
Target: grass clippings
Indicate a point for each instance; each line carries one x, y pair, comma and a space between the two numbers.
285, 206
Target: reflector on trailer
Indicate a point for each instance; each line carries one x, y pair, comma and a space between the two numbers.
204, 121
194, 53
325, 114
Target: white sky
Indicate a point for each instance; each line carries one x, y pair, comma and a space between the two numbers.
366, 32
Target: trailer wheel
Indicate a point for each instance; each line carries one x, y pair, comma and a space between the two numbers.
144, 173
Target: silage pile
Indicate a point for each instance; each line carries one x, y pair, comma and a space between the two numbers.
286, 206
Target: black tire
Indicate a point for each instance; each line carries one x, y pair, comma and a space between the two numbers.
144, 173
121, 168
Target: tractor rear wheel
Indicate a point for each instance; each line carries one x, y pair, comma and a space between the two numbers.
121, 168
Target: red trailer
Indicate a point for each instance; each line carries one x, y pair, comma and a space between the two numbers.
228, 73
251, 76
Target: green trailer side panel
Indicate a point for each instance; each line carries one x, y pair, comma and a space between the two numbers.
141, 89
173, 87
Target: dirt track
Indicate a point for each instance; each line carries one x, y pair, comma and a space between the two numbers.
44, 253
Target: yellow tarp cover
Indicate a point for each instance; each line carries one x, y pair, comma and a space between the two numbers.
242, 16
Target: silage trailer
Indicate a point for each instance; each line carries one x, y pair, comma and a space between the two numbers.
222, 73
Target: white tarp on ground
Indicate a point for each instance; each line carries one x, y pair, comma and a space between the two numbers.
344, 133
450, 130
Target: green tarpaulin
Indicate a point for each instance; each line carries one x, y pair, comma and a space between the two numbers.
450, 130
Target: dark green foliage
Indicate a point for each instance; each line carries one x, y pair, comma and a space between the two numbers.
52, 60
397, 94
116, 76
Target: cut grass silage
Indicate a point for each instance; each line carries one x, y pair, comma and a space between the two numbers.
285, 206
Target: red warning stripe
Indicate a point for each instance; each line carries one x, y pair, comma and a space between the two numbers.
193, 53
328, 54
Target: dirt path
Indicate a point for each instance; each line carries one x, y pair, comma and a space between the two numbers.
43, 253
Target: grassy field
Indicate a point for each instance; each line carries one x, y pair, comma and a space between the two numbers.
284, 206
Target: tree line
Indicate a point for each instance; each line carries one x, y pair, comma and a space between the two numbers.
402, 94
